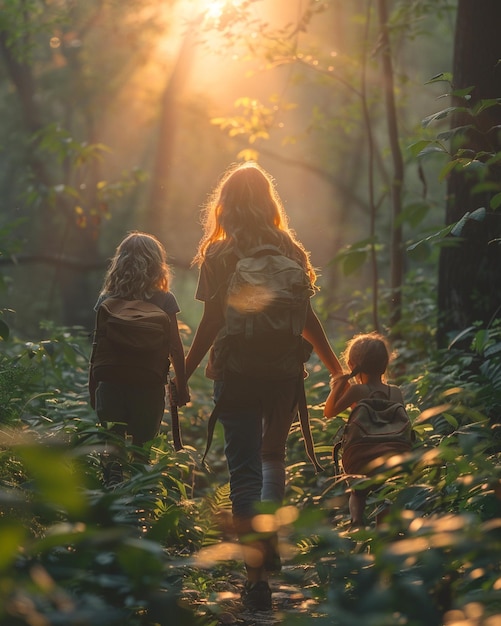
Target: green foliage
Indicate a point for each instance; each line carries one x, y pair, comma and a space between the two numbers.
465, 118
151, 551
439, 548
68, 546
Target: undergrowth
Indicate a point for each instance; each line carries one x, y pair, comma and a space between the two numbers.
159, 549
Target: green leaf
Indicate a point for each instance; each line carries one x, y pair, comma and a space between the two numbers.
433, 238
486, 186
475, 165
463, 93
353, 257
477, 215
4, 330
416, 148
485, 104
452, 132
447, 169
460, 336
450, 419
49, 347
440, 115
413, 214
354, 261
496, 201
443, 77
433, 149
480, 340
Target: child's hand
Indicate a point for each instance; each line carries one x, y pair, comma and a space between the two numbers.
339, 383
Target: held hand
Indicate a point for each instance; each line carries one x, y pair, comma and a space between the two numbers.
340, 383
180, 397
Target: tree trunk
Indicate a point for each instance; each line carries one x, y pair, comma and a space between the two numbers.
469, 272
396, 252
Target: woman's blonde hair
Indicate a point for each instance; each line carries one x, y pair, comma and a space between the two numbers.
138, 268
245, 211
367, 353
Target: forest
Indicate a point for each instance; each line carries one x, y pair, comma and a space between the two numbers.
380, 121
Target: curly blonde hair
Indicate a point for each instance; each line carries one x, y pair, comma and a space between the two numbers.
138, 268
244, 211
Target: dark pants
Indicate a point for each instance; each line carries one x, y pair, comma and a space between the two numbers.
256, 417
140, 408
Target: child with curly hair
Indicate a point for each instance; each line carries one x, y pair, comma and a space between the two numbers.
129, 396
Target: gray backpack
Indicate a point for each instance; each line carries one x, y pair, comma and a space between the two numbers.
266, 307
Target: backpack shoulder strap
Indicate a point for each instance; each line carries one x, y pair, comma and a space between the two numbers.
211, 424
267, 247
376, 393
304, 421
174, 414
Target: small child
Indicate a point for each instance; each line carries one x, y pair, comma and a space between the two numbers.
138, 271
367, 356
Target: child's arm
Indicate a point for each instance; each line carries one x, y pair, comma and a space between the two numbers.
178, 363
338, 387
340, 397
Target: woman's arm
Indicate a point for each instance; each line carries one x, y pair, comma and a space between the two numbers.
315, 334
211, 323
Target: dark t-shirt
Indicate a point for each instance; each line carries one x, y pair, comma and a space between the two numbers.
215, 273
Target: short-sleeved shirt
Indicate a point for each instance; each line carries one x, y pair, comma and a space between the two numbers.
213, 280
214, 277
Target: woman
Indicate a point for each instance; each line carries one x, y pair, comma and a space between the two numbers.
243, 212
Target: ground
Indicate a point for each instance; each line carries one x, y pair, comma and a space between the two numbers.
226, 607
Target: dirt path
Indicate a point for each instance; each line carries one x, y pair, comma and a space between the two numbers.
226, 607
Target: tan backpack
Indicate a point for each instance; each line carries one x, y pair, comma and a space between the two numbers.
130, 335
376, 427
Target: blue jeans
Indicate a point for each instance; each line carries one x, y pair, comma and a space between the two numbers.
256, 416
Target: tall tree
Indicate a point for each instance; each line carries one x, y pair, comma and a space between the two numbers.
396, 252
470, 270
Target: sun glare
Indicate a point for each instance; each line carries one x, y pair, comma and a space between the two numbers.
215, 9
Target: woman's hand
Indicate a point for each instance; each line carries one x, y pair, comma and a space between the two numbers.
179, 394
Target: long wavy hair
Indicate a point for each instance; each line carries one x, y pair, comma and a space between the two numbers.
138, 268
244, 211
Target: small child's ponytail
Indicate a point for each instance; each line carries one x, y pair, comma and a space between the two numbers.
356, 370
